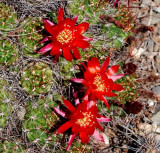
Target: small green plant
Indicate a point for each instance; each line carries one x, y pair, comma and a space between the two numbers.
105, 35
130, 92
38, 120
8, 19
67, 69
8, 52
37, 78
11, 147
29, 36
5, 107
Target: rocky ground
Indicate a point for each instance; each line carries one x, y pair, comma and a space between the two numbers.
25, 110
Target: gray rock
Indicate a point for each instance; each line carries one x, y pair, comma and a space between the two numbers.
156, 90
156, 118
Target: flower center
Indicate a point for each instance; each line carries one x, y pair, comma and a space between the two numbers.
99, 83
65, 36
86, 121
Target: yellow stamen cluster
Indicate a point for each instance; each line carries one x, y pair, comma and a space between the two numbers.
99, 82
86, 121
65, 36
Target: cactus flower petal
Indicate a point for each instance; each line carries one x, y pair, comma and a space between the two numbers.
58, 111
67, 54
75, 19
116, 77
64, 127
76, 53
46, 48
68, 105
45, 39
82, 44
98, 136
112, 70
87, 38
103, 119
84, 137
70, 141
117, 87
105, 64
81, 28
60, 14
48, 25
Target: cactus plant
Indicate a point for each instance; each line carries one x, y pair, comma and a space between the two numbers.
29, 36
105, 35
8, 52
5, 107
130, 92
11, 147
37, 78
38, 119
8, 19
67, 70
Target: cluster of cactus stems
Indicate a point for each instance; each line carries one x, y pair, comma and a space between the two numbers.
37, 77
90, 11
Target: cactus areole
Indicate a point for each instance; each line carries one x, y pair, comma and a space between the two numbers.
100, 82
65, 37
84, 119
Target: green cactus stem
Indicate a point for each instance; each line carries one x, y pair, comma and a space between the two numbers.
38, 120
11, 147
37, 78
130, 92
5, 107
105, 35
8, 19
29, 36
8, 52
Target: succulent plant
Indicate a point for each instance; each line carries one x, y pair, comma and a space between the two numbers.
38, 120
29, 36
11, 147
37, 78
8, 52
67, 70
8, 19
105, 35
130, 92
5, 107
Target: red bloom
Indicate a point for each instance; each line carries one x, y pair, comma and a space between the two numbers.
65, 37
84, 120
99, 82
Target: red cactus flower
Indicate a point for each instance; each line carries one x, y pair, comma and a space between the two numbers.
99, 82
65, 37
84, 119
